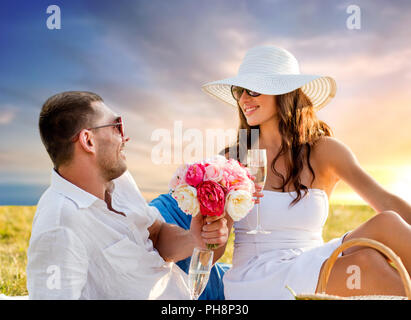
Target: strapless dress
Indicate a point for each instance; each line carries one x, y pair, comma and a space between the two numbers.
292, 254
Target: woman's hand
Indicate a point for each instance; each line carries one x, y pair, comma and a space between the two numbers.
258, 192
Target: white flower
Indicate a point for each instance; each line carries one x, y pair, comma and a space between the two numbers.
186, 197
238, 204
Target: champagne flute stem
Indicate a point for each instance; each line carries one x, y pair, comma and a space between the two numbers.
258, 217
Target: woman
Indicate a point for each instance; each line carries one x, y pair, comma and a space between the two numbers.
304, 165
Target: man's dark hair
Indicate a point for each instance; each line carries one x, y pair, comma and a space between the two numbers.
61, 118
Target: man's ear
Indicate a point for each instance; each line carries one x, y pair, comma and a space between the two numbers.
87, 141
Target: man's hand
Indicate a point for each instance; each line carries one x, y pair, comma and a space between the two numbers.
209, 230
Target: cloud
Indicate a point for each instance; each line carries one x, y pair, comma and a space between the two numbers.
7, 114
148, 60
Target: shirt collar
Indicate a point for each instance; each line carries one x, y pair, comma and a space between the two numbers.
82, 198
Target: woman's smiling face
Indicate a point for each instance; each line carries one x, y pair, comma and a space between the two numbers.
258, 110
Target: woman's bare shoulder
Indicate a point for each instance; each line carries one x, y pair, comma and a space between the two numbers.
322, 153
324, 145
330, 151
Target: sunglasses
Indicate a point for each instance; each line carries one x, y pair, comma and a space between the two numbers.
237, 92
119, 124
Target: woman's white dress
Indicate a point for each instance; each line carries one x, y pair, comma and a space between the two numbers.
263, 264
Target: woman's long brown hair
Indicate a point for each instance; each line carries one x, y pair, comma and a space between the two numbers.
299, 128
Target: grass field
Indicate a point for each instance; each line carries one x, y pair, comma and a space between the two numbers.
15, 228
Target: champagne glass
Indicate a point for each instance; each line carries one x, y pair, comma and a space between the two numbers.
199, 271
257, 164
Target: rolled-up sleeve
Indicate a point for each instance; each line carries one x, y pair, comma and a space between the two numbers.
154, 214
57, 265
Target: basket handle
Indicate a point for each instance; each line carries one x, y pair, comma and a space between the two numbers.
325, 273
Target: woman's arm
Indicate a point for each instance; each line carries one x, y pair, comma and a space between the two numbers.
344, 165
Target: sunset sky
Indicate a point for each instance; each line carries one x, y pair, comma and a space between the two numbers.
148, 60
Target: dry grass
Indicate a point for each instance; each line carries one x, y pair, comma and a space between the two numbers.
15, 228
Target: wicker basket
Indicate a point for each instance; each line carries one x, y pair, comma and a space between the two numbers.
325, 273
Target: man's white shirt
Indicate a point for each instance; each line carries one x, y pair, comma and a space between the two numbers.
81, 250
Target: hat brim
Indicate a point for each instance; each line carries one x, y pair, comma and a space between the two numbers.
320, 89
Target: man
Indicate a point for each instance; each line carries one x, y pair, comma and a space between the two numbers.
93, 235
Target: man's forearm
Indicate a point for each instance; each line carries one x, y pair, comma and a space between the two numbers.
174, 243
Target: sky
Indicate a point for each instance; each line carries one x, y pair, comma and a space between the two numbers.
148, 60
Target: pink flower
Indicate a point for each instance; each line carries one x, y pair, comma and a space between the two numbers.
246, 185
217, 160
195, 174
213, 172
178, 177
211, 197
233, 176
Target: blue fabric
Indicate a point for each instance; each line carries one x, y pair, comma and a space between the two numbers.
172, 214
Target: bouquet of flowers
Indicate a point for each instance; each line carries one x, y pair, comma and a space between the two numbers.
213, 186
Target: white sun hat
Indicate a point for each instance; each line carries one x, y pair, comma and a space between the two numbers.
273, 71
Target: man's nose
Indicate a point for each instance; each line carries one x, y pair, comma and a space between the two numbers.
126, 139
